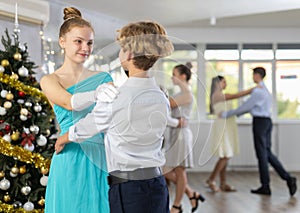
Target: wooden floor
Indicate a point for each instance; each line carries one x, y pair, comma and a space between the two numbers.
243, 201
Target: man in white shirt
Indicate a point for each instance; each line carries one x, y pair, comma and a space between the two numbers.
134, 124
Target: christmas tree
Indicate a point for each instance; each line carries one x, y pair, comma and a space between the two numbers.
26, 127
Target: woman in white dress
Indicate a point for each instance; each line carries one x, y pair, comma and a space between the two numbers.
180, 143
224, 134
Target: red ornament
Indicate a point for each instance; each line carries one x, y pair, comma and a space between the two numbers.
7, 128
1, 121
21, 94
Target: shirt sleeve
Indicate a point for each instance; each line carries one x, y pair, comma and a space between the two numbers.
245, 107
96, 121
172, 122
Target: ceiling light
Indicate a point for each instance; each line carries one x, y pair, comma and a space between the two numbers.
213, 21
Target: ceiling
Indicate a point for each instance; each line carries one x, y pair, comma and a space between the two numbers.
198, 13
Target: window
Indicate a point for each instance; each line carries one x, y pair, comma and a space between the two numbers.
257, 52
257, 55
288, 51
221, 52
248, 74
221, 55
236, 65
287, 87
287, 54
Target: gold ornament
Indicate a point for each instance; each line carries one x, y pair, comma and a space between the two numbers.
15, 169
24, 111
2, 174
14, 76
9, 96
22, 169
7, 104
4, 63
41, 202
15, 136
17, 56
6, 198
44, 170
48, 132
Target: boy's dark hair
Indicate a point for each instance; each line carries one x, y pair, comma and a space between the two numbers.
260, 70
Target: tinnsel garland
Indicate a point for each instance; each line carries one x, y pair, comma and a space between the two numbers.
18, 85
10, 208
23, 155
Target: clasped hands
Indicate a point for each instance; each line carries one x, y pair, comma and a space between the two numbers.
182, 123
104, 93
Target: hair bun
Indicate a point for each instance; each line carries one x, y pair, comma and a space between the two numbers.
189, 65
71, 12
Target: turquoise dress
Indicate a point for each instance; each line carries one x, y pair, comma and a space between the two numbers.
77, 181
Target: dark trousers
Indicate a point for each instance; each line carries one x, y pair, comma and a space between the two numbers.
140, 196
262, 129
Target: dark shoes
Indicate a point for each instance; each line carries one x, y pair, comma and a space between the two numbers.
197, 197
292, 184
178, 208
263, 190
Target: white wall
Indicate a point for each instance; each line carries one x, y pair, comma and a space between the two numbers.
105, 26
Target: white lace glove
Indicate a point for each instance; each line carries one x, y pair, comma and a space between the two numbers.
104, 93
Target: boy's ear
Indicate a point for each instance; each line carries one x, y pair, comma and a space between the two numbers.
130, 56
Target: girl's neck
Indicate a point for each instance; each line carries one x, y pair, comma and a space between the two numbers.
72, 68
184, 86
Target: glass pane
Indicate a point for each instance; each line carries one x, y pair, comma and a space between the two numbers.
248, 77
248, 74
228, 69
288, 87
221, 54
183, 54
287, 54
257, 54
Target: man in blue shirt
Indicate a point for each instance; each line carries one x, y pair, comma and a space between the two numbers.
259, 106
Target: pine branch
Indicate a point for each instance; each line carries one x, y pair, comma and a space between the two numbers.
6, 42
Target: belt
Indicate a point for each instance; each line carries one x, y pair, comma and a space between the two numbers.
117, 177
260, 117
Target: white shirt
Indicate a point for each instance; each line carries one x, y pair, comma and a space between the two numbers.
134, 124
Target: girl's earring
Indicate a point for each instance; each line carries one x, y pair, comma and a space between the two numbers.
62, 51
